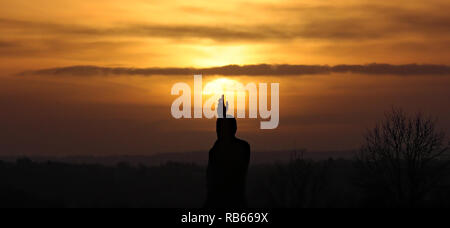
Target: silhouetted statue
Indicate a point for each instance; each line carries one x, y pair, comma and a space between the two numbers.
228, 164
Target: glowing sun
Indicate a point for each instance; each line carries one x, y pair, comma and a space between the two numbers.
223, 86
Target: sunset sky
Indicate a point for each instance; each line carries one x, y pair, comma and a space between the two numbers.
66, 113
147, 33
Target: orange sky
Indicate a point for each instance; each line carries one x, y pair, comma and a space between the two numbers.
130, 115
151, 33
70, 113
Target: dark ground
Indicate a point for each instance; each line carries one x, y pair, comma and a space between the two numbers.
296, 184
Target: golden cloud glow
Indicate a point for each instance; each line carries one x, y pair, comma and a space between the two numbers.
175, 33
221, 56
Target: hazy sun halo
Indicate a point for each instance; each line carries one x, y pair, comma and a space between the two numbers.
223, 86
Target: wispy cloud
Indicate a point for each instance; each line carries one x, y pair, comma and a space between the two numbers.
251, 70
7, 44
352, 22
198, 33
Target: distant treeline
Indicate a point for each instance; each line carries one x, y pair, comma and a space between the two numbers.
296, 184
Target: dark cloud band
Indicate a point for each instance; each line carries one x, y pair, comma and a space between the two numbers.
251, 70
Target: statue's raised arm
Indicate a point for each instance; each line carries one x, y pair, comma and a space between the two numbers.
222, 108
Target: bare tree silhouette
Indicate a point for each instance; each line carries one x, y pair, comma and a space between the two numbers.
404, 158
